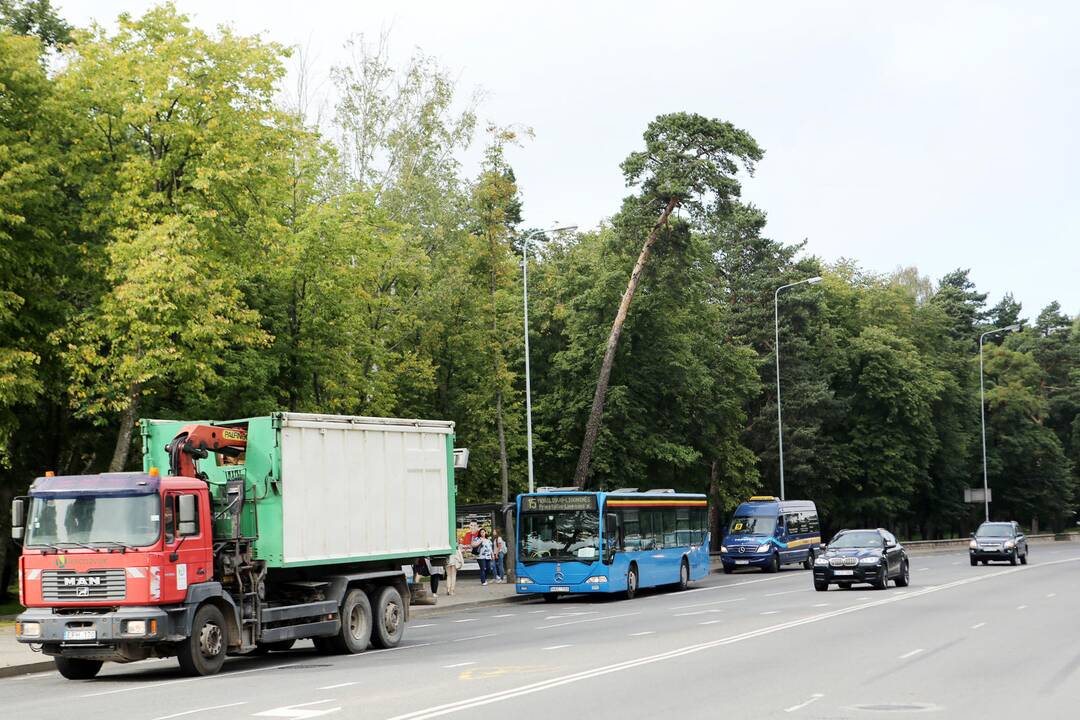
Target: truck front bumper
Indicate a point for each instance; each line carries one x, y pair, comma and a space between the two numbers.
121, 634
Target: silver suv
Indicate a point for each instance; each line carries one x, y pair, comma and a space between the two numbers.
998, 541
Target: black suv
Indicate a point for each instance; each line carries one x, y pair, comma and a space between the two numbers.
862, 556
998, 541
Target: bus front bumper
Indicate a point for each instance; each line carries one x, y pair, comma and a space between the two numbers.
746, 559
535, 588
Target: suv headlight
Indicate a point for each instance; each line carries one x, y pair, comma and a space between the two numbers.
763, 548
869, 561
974, 545
821, 561
1010, 543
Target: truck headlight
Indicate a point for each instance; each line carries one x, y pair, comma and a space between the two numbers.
135, 627
597, 579
763, 548
869, 561
524, 580
723, 548
28, 629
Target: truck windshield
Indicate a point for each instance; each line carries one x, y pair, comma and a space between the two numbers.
566, 535
752, 525
134, 521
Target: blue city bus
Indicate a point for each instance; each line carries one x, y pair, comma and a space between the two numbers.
617, 542
767, 532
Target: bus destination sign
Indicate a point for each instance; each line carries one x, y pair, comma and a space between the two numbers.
554, 503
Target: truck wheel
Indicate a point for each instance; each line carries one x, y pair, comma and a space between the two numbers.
203, 653
77, 668
389, 625
355, 633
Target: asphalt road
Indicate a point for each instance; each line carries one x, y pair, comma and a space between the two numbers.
960, 642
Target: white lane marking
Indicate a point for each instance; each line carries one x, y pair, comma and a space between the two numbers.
708, 611
1052, 595
913, 653
709, 622
199, 710
703, 604
770, 612
813, 698
820, 605
976, 626
461, 664
293, 711
1021, 607
573, 614
924, 568
474, 637
533, 612
861, 599
556, 647
466, 620
417, 627
370, 653
595, 619
504, 615
510, 693
785, 592
151, 686
956, 563
333, 687
646, 632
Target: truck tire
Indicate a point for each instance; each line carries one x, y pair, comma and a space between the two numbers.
203, 652
355, 633
77, 668
389, 621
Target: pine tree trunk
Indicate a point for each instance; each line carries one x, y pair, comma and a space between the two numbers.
127, 430
7, 550
592, 427
714, 506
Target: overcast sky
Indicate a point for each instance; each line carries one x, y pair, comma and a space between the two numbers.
935, 134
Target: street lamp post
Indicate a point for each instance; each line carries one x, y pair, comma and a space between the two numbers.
779, 419
525, 302
982, 413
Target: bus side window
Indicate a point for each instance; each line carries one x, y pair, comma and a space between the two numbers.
669, 529
631, 529
793, 523
682, 527
813, 523
647, 537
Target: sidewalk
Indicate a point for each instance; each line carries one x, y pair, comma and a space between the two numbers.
470, 593
16, 658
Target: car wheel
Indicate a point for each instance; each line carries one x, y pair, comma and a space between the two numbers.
631, 582
77, 668
203, 653
1023, 558
684, 575
774, 564
882, 581
389, 620
974, 562
808, 564
905, 575
1014, 559
821, 585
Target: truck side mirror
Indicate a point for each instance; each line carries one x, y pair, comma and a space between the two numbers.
18, 519
187, 515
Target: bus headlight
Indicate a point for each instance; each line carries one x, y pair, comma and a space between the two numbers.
723, 548
524, 580
28, 629
597, 579
763, 548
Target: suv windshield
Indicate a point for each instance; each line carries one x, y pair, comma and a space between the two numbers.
994, 530
858, 539
86, 520
566, 535
752, 525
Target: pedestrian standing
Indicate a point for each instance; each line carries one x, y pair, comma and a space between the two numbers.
498, 548
482, 548
454, 563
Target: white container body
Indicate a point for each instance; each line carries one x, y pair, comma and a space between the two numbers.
362, 488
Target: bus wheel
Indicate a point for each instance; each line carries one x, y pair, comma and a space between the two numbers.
631, 582
684, 574
76, 668
728, 569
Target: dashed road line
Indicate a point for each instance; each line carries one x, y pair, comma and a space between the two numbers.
460, 664
556, 647
976, 626
578, 622
475, 637
199, 710
813, 698
913, 653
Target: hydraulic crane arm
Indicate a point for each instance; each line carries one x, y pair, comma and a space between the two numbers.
196, 442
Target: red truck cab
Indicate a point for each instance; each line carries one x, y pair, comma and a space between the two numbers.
107, 563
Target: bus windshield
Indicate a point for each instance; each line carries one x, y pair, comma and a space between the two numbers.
752, 525
561, 535
134, 521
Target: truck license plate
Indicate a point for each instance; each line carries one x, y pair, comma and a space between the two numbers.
80, 634
560, 588
742, 562
843, 572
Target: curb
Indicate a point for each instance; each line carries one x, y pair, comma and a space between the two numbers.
27, 669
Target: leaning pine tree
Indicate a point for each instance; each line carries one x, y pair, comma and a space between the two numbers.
689, 161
